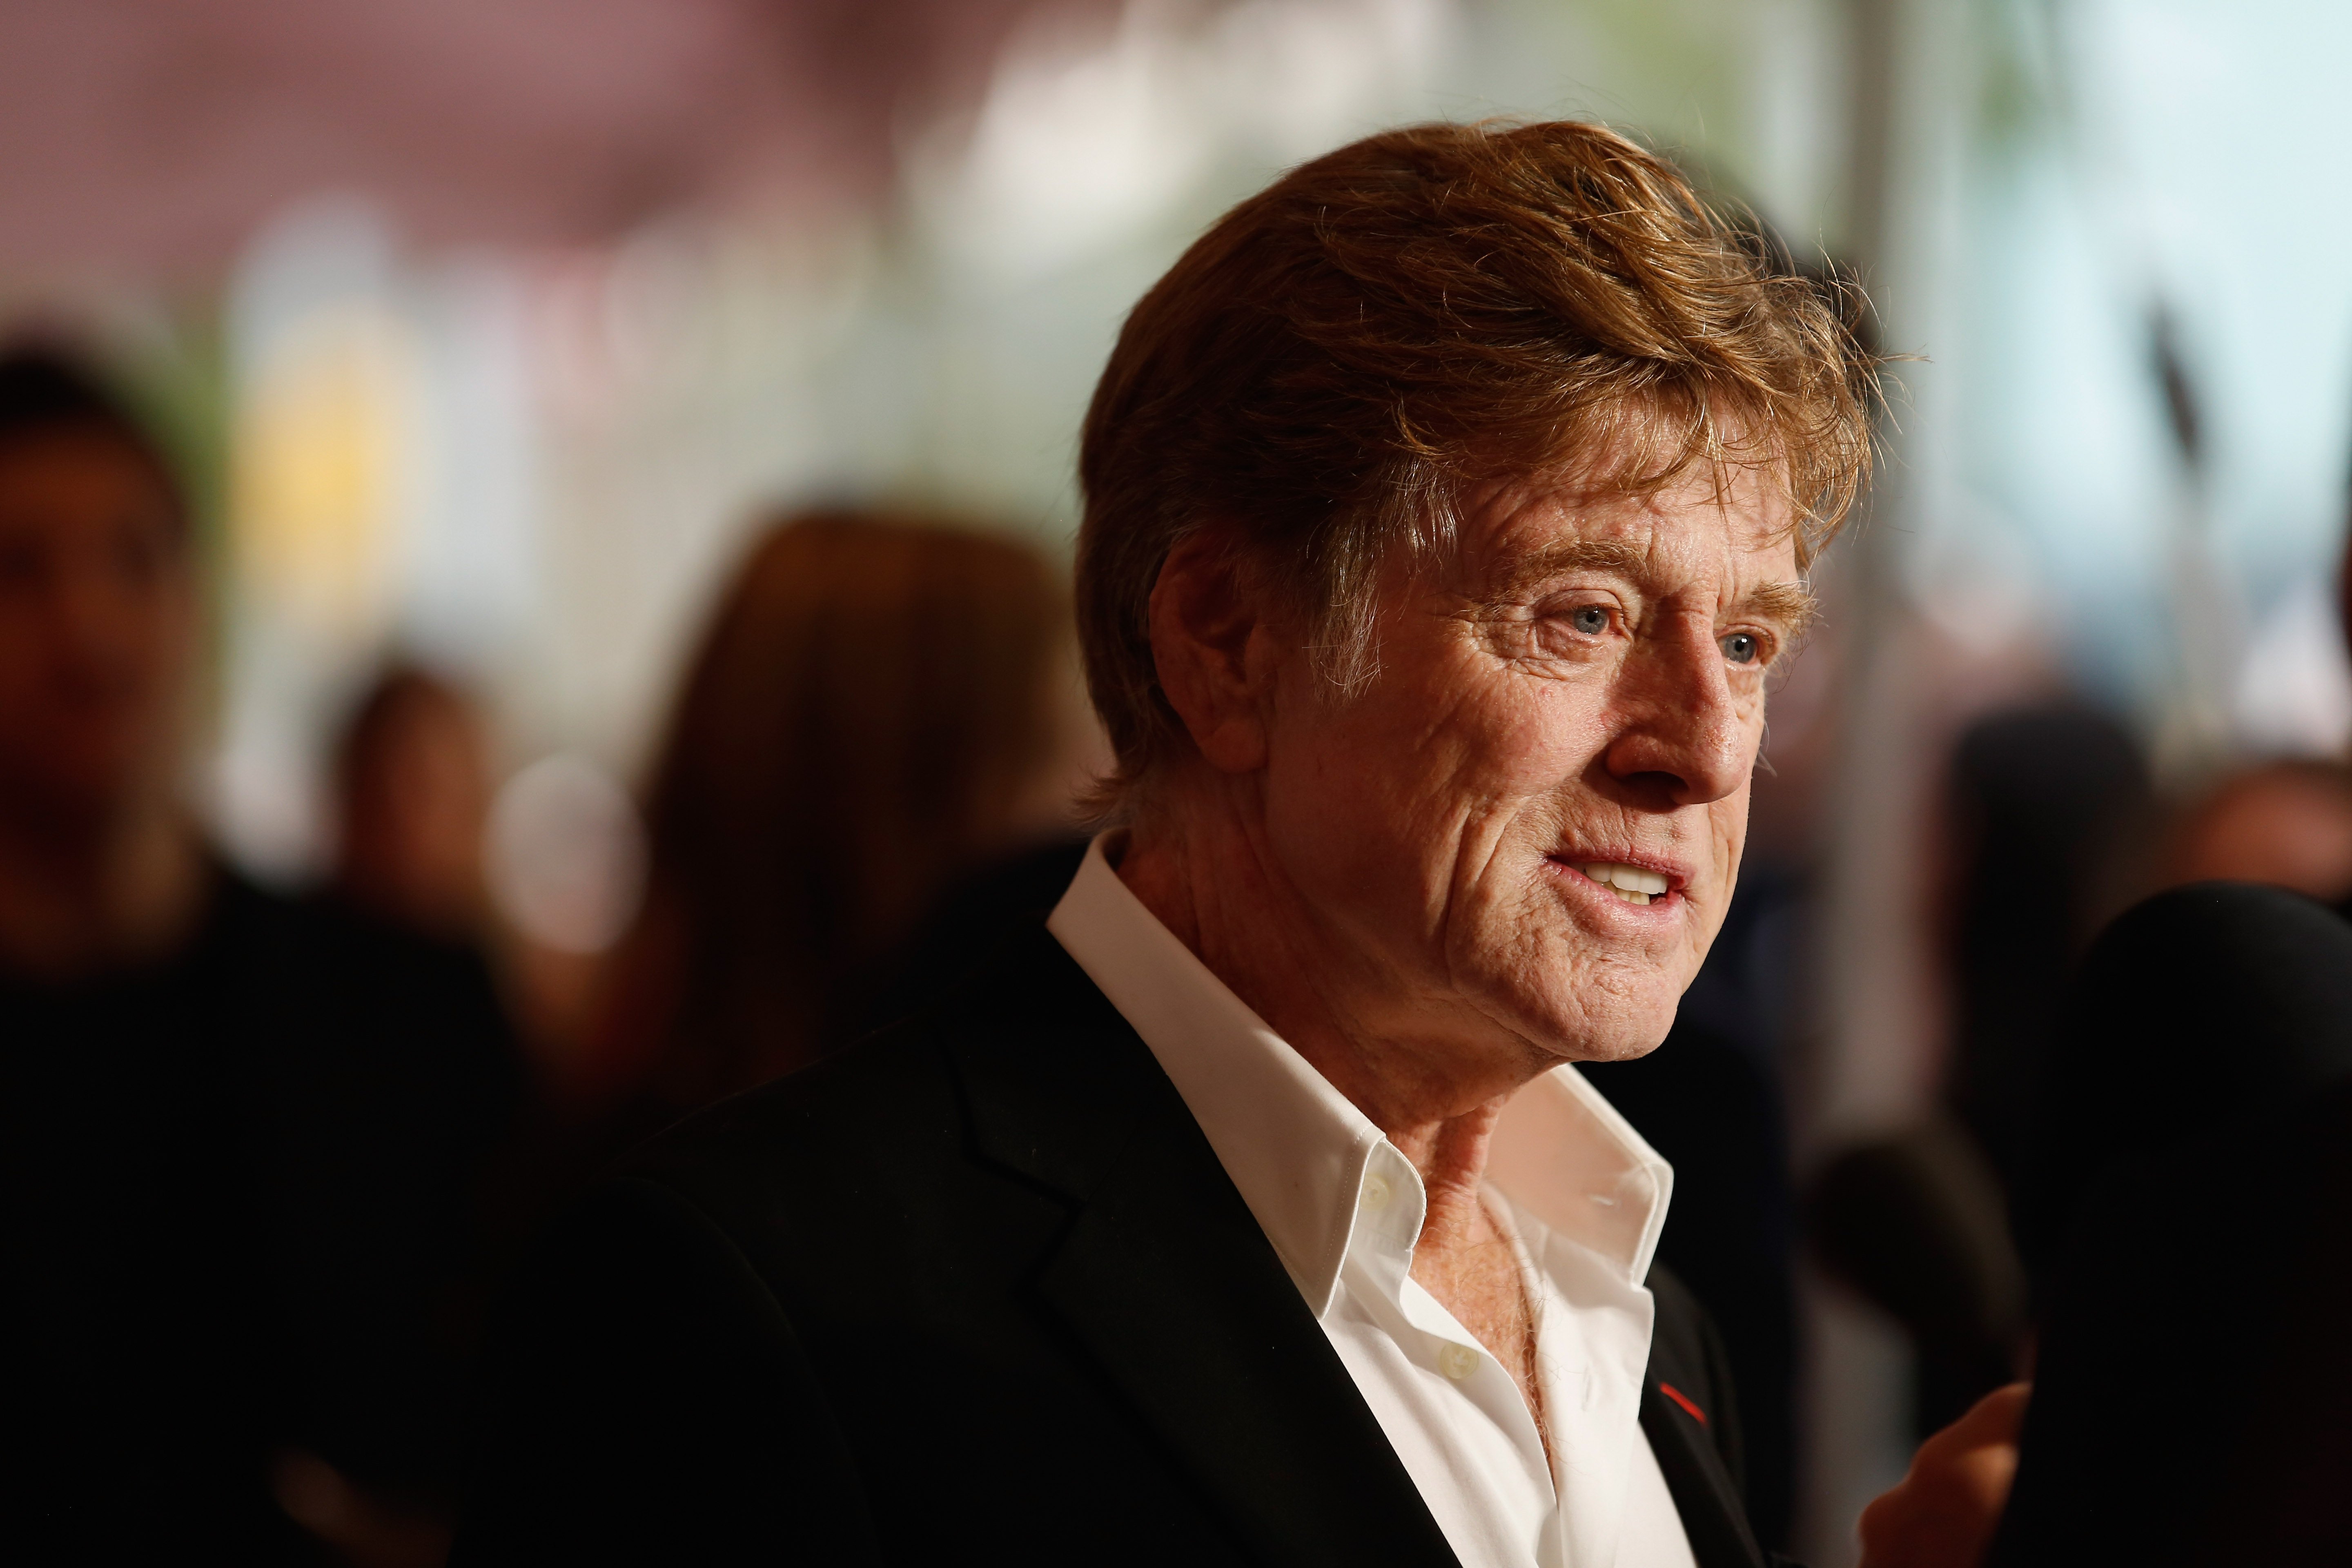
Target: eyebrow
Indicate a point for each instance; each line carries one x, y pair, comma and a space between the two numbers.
1571, 555
1792, 605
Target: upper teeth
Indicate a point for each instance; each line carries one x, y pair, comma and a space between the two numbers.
1633, 884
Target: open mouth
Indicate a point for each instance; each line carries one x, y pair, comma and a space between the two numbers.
1633, 884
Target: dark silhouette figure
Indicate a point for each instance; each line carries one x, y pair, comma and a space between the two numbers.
2192, 1220
239, 1134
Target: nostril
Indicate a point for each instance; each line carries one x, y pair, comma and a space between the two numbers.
1657, 779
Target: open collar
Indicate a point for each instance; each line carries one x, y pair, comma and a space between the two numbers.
1299, 1150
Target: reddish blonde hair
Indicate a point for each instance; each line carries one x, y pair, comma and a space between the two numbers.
1331, 365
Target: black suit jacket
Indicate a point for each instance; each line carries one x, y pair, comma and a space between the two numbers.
977, 1288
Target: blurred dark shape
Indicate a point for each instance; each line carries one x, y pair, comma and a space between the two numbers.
2199, 1006
391, 1088
239, 1132
2285, 824
2183, 412
1917, 1225
412, 790
2046, 805
868, 721
2196, 1238
401, 1105
984, 911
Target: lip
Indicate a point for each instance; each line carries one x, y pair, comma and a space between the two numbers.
1569, 863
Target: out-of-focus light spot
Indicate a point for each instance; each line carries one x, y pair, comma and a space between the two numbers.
323, 451
1084, 138
566, 855
327, 444
1978, 581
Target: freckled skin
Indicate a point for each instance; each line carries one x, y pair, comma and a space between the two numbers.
1386, 877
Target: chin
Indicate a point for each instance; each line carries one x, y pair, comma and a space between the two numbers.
1573, 1033
1624, 1049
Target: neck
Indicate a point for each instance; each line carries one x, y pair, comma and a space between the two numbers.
1419, 1070
85, 890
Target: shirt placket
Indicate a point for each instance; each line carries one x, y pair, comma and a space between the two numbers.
1392, 1207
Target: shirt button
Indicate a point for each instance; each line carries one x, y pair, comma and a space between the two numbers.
1374, 1195
1458, 1362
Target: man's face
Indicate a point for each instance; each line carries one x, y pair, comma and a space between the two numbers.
1574, 704
95, 617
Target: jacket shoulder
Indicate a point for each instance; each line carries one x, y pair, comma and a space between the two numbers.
983, 1116
1030, 1015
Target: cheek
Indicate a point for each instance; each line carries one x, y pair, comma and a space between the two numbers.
1373, 801
1728, 819
1546, 733
1499, 733
1348, 794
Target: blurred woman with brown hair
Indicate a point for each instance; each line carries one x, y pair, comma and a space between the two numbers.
875, 710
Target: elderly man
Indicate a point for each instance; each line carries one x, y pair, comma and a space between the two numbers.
1447, 507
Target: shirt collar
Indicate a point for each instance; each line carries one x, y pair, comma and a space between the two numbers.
1298, 1150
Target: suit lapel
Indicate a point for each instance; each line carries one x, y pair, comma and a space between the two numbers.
1713, 1518
1168, 1286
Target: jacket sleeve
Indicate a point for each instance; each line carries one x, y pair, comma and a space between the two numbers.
649, 1402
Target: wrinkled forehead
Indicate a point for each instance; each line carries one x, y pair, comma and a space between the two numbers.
1733, 525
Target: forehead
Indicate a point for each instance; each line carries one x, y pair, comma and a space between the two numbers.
71, 476
1735, 534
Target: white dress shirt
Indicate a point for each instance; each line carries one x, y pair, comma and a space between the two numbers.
1583, 1195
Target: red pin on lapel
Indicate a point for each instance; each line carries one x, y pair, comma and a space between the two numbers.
1679, 1398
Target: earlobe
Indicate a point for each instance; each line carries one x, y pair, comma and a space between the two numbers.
1206, 616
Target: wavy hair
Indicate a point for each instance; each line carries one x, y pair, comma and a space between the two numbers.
1333, 363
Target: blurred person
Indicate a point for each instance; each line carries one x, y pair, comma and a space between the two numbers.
872, 716
412, 792
1446, 505
1920, 1222
403, 1126
2193, 1199
144, 1375
2134, 1072
2065, 789
2287, 824
219, 1243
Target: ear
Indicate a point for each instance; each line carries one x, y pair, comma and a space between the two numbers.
1215, 648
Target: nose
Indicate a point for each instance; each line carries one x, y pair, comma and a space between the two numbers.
1682, 735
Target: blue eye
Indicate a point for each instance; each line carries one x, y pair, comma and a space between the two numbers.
1742, 647
1591, 619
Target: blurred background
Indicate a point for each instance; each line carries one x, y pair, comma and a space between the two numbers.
491, 336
